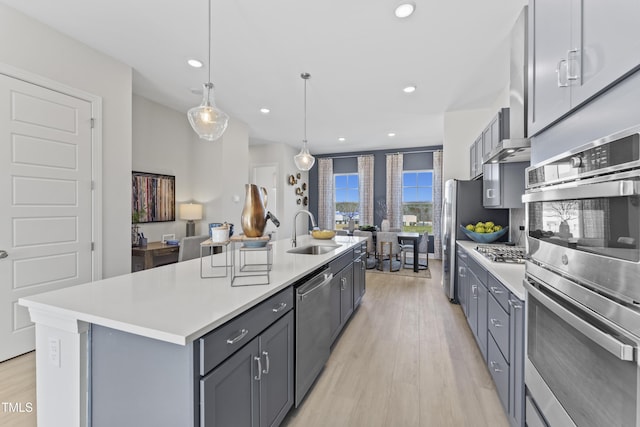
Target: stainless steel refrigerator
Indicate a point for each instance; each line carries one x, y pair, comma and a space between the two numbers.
461, 205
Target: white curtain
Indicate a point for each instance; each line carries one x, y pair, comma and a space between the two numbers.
437, 204
326, 203
394, 189
365, 189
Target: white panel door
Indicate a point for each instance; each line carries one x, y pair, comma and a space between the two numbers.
45, 201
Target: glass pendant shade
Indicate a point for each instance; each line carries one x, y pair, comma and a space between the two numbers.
207, 120
304, 160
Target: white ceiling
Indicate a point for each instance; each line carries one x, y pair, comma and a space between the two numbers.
358, 53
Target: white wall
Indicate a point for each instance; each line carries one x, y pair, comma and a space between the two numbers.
219, 172
281, 155
30, 46
162, 143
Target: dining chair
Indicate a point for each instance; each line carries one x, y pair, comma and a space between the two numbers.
190, 247
423, 248
388, 248
371, 257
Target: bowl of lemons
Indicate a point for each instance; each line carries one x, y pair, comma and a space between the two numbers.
484, 232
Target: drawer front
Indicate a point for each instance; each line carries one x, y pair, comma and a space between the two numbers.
341, 262
499, 292
357, 250
498, 322
499, 370
479, 271
219, 344
166, 251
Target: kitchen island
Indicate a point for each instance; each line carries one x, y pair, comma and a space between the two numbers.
169, 308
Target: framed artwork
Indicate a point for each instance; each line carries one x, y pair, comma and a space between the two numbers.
153, 197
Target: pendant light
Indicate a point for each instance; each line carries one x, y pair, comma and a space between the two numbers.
304, 160
207, 120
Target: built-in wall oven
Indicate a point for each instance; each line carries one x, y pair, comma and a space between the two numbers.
583, 286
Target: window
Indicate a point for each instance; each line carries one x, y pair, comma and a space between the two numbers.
417, 201
347, 199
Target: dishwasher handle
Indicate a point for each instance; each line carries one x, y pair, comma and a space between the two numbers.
314, 284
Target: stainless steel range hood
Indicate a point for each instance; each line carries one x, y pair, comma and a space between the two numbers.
517, 147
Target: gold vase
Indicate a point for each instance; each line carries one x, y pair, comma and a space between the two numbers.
254, 212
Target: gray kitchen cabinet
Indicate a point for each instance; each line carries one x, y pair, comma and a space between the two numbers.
359, 274
253, 387
473, 169
576, 50
472, 317
478, 304
481, 334
479, 153
462, 280
341, 300
503, 185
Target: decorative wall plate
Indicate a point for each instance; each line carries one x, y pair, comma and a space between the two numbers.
304, 186
298, 175
292, 180
299, 201
298, 191
305, 201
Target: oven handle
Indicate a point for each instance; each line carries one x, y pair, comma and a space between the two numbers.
616, 347
588, 191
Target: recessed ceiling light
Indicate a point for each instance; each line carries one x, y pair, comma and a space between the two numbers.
342, 139
405, 10
409, 89
511, 150
391, 134
195, 63
265, 110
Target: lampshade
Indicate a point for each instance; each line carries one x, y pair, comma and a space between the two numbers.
208, 121
304, 160
191, 211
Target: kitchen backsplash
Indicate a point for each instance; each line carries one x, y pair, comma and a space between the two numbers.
516, 219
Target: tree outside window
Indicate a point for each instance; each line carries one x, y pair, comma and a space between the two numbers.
417, 201
347, 199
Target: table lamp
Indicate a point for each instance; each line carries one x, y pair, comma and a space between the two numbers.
191, 212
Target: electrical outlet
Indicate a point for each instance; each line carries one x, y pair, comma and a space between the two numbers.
54, 351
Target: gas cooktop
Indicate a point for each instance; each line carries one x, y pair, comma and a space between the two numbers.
503, 253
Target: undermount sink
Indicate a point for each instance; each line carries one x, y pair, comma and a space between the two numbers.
313, 249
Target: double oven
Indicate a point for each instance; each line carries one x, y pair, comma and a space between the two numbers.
583, 286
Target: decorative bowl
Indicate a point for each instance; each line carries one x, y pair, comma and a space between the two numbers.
484, 237
323, 234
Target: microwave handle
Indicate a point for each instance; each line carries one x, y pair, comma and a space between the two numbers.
588, 191
616, 347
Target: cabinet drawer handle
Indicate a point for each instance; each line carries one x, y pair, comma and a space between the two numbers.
571, 76
496, 323
243, 333
496, 290
259, 360
495, 366
558, 72
280, 307
474, 289
462, 272
515, 305
266, 358
490, 193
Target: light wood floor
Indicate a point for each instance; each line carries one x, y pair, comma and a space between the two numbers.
406, 358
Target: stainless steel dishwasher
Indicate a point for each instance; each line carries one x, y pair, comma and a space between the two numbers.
313, 337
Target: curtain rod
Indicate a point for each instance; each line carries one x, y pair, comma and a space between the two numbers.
398, 152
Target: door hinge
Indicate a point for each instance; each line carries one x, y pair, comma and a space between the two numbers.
93, 246
93, 185
93, 122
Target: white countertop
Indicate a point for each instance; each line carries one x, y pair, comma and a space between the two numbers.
172, 303
511, 275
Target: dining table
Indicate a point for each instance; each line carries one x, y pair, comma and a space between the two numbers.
413, 237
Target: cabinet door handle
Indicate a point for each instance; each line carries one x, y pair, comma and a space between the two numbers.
243, 333
569, 75
280, 307
495, 366
474, 288
515, 305
259, 360
496, 323
343, 283
462, 272
558, 69
490, 193
496, 290
266, 358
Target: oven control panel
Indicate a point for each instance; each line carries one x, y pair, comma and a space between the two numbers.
608, 155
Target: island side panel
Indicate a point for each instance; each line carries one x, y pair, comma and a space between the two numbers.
140, 381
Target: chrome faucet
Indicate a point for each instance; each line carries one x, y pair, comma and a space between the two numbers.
313, 224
